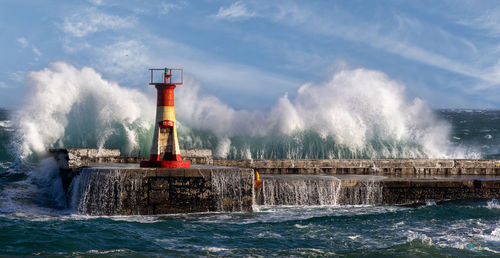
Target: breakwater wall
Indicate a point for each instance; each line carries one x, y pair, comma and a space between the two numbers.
147, 191
74, 158
392, 167
101, 182
371, 190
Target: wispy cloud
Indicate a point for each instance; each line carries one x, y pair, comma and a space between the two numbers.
488, 21
24, 43
37, 51
341, 24
96, 2
237, 10
17, 76
91, 20
124, 58
3, 85
129, 59
167, 7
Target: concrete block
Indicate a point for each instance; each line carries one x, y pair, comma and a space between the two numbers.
170, 172
158, 197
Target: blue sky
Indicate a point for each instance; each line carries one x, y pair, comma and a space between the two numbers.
249, 53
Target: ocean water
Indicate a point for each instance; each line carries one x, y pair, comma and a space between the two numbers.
35, 221
467, 228
356, 114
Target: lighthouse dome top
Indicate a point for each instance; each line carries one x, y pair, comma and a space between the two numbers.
166, 76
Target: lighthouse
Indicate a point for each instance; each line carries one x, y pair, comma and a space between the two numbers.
165, 151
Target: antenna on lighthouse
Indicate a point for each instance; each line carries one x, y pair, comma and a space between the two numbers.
165, 150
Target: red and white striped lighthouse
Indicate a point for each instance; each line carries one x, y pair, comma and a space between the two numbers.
165, 151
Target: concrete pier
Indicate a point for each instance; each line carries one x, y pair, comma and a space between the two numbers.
101, 182
146, 191
392, 167
373, 190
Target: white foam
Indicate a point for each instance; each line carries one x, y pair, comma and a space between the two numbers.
494, 236
430, 202
416, 235
4, 165
301, 226
113, 251
355, 108
493, 204
5, 123
92, 252
62, 95
215, 249
41, 184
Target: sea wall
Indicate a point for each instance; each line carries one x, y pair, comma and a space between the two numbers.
146, 191
74, 158
97, 182
410, 191
369, 190
393, 167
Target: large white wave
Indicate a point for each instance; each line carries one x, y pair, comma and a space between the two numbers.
66, 105
358, 111
362, 110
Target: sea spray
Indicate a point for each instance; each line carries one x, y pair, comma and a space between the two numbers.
71, 107
300, 192
358, 113
362, 193
307, 190
28, 188
102, 191
115, 191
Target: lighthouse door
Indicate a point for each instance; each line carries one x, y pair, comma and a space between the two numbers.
166, 143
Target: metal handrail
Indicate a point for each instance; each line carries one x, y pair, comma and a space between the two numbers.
167, 76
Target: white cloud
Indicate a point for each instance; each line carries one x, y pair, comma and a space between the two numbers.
74, 46
130, 59
17, 76
355, 107
341, 24
24, 43
91, 20
36, 51
168, 7
488, 21
124, 57
237, 10
3, 85
96, 2
221, 75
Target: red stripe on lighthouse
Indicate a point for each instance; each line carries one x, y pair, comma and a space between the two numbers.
165, 95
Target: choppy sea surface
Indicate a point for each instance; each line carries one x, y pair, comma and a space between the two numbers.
35, 221
462, 228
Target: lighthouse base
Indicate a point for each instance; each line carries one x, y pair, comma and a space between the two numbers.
165, 164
